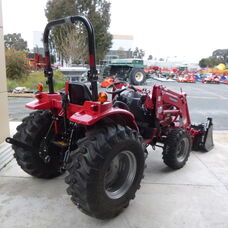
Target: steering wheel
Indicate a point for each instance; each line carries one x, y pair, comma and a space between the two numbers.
114, 85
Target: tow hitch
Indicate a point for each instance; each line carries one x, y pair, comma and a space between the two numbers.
18, 143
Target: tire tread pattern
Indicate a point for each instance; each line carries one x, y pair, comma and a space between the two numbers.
29, 132
83, 166
170, 147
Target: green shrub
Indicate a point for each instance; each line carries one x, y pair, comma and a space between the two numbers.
31, 81
16, 64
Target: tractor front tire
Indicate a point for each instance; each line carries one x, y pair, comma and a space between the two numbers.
30, 132
177, 148
137, 76
106, 170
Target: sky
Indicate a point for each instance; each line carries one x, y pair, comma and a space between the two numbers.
163, 28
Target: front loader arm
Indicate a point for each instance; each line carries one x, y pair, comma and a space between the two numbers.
170, 105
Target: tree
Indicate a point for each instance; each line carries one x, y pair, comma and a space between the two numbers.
75, 50
209, 62
96, 10
218, 56
16, 64
15, 41
138, 53
221, 55
203, 63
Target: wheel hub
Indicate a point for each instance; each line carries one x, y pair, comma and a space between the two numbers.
182, 149
120, 174
139, 76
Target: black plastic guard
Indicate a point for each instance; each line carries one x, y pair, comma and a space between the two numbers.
204, 140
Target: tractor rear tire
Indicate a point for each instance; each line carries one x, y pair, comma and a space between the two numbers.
106, 170
30, 132
137, 76
177, 148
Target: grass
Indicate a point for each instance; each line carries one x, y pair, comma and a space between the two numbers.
31, 81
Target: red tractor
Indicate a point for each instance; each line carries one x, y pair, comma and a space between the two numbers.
103, 144
187, 78
214, 79
36, 61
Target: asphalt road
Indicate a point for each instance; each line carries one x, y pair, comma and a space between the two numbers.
204, 100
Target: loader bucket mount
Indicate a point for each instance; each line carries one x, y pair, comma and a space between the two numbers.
203, 141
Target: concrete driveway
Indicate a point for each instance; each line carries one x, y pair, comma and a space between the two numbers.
195, 196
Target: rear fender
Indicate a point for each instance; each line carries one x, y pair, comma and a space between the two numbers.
122, 119
94, 112
45, 101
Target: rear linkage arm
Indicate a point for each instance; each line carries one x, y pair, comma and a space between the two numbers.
18, 143
67, 153
43, 149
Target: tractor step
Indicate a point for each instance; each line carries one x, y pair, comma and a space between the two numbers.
203, 141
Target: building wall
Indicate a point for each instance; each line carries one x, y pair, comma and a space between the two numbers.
4, 119
124, 42
37, 39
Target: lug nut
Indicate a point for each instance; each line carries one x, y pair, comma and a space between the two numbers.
47, 159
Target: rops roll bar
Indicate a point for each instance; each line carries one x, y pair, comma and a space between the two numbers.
92, 74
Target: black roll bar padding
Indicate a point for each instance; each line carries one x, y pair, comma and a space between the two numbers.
92, 74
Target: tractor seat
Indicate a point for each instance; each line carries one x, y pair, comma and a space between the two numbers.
79, 93
135, 107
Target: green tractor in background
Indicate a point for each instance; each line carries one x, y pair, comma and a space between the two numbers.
131, 70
